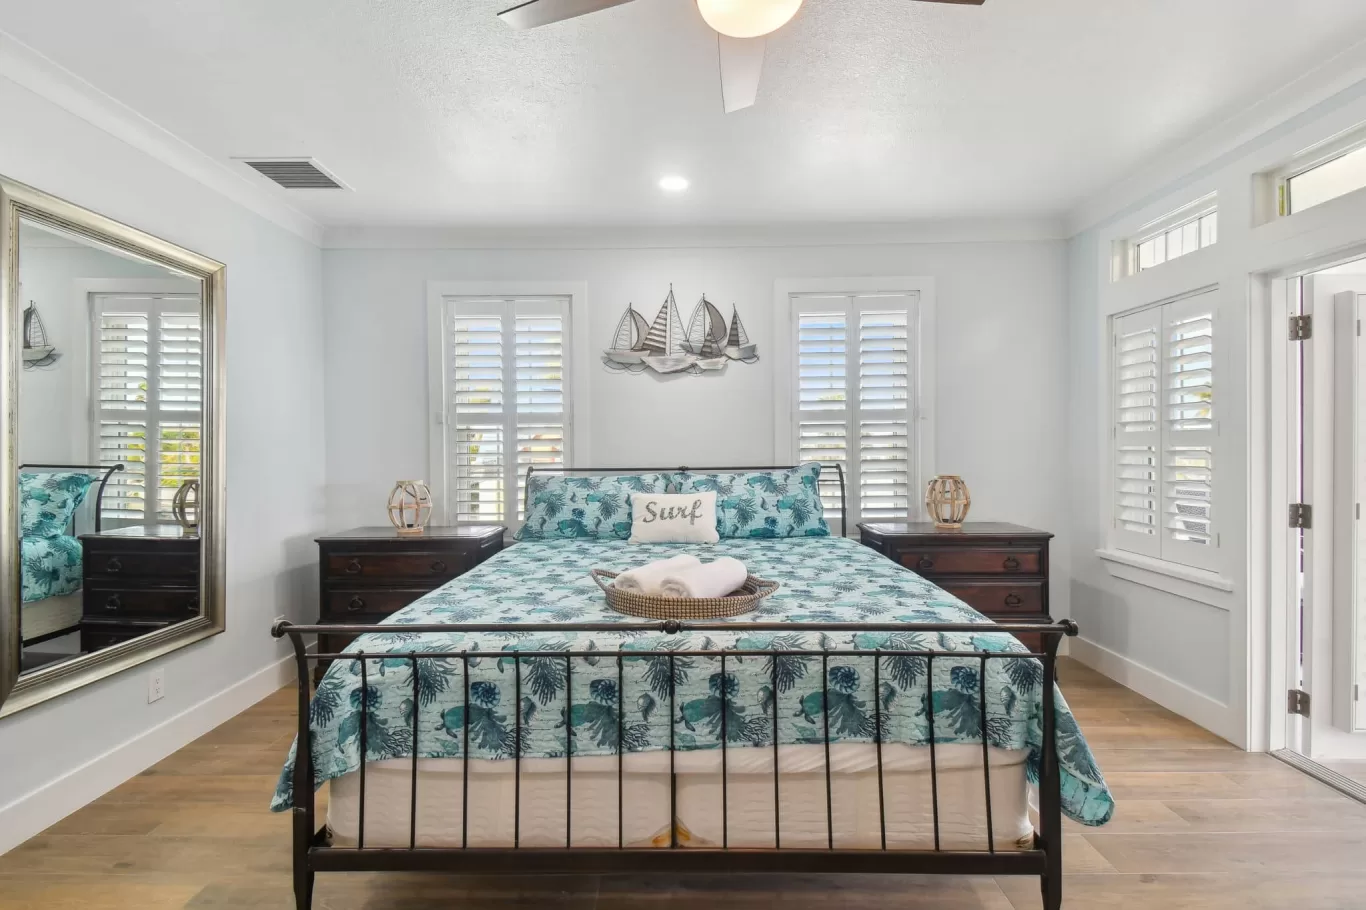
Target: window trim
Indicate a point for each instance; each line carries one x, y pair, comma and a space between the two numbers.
577, 400
1277, 179
921, 408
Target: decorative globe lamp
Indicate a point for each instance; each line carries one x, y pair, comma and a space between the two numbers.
410, 507
947, 500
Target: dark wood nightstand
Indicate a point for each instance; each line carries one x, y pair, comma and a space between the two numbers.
998, 569
366, 574
137, 580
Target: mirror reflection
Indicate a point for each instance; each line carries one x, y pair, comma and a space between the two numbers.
109, 444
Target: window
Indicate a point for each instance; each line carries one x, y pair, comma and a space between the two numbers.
148, 388
1305, 188
854, 389
1191, 227
504, 385
1164, 432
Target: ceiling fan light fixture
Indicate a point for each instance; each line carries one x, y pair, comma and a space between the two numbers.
747, 18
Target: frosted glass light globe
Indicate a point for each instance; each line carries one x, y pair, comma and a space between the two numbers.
747, 18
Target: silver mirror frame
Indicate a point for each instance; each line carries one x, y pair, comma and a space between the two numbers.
19, 201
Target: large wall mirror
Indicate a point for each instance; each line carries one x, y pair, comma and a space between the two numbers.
111, 547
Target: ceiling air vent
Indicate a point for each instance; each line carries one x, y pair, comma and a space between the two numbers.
294, 173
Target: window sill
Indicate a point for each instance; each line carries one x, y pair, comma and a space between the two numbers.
1200, 585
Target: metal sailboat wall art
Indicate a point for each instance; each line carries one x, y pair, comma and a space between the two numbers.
666, 347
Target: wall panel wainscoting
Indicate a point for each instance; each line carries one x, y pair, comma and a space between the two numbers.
1200, 824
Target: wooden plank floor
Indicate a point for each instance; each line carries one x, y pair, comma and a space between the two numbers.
1199, 825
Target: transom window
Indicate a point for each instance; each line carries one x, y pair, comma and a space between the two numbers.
1180, 233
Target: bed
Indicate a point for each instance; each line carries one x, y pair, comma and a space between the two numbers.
51, 569
553, 734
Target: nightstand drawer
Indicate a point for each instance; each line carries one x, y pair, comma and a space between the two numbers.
933, 562
366, 604
995, 598
160, 563
114, 603
433, 566
97, 635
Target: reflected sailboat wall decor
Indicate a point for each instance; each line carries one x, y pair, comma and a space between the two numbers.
666, 347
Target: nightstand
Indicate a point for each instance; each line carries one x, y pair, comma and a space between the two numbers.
1000, 570
367, 574
136, 580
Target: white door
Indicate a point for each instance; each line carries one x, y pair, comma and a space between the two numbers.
1332, 620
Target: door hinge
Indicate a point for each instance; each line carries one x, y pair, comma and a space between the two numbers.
1297, 702
1301, 515
1301, 328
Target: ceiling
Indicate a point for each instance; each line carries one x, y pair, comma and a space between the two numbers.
435, 113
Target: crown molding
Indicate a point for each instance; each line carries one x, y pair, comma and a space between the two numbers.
28, 68
986, 230
1318, 88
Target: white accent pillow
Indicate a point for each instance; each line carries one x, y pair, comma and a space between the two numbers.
674, 518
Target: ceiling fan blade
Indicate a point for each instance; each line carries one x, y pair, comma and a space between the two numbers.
742, 62
543, 12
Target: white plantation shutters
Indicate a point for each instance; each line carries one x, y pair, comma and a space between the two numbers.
506, 401
148, 376
1137, 440
853, 397
1165, 432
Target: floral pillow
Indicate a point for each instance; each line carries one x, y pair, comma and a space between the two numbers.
47, 501
764, 504
562, 506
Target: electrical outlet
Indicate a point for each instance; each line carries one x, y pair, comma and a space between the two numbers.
156, 685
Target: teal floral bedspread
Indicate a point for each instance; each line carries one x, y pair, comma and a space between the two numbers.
51, 567
824, 580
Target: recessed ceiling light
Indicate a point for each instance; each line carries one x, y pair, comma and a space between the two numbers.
673, 183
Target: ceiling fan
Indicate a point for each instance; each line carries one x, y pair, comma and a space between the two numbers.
740, 26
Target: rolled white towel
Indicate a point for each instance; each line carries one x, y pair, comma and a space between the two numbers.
710, 579
646, 579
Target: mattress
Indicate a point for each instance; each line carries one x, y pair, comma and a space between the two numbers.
53, 614
854, 808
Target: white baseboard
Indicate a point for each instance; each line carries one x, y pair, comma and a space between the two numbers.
1177, 697
36, 811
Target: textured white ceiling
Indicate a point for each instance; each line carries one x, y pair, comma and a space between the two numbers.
434, 112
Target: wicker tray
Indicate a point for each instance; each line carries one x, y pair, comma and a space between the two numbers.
650, 607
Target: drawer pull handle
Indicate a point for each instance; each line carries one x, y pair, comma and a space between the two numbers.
356, 605
438, 566
113, 603
1013, 600
1011, 563
925, 563
353, 567
114, 565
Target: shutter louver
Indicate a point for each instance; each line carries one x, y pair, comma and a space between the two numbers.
508, 402
179, 362
884, 424
125, 496
123, 361
540, 394
1136, 380
1188, 456
479, 448
822, 393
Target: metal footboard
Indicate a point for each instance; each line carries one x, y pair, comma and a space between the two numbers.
314, 851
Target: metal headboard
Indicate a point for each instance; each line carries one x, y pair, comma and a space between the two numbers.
825, 478
104, 471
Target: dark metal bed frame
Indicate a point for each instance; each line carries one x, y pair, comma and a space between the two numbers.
104, 472
314, 851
